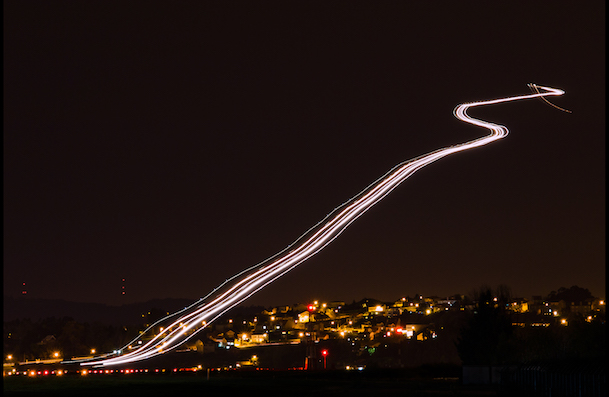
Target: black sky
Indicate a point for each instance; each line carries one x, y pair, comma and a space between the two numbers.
175, 144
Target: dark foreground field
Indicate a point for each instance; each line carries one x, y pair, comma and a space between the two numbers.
292, 383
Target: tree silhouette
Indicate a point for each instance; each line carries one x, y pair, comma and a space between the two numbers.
485, 339
572, 294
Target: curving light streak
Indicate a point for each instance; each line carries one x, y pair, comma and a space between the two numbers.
194, 318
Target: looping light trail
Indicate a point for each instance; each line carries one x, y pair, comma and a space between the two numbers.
535, 88
184, 324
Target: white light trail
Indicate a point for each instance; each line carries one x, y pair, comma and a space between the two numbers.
194, 318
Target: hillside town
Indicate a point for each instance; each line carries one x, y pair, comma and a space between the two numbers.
408, 332
369, 323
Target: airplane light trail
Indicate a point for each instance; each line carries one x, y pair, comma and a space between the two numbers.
196, 317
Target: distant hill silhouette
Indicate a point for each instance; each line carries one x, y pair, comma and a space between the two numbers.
35, 309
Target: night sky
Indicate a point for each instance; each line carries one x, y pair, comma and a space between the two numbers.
175, 144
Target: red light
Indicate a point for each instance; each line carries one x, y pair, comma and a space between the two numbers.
311, 308
324, 352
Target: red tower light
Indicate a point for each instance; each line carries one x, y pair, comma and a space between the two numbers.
324, 353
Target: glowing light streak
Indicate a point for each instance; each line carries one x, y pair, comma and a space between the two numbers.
535, 87
226, 296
